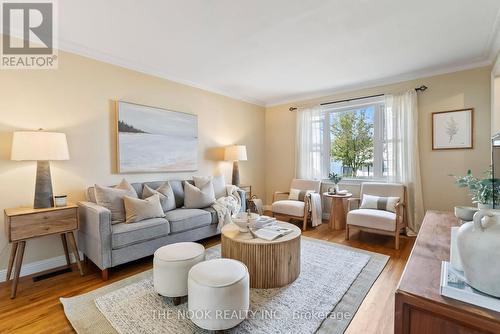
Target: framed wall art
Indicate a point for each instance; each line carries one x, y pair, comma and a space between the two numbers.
453, 130
152, 139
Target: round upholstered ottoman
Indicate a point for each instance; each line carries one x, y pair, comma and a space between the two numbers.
171, 265
219, 293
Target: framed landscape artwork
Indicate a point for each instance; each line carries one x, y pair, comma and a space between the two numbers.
453, 129
155, 140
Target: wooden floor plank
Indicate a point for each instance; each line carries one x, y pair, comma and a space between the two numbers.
37, 309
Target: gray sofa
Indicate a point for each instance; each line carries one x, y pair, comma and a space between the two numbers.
109, 245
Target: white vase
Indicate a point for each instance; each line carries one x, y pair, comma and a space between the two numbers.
482, 206
479, 249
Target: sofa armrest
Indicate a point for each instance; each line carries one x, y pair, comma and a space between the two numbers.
353, 203
94, 235
278, 193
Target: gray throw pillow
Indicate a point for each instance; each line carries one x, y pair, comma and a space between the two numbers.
165, 193
198, 198
139, 209
112, 199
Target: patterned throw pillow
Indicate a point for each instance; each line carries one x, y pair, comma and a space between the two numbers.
298, 195
379, 203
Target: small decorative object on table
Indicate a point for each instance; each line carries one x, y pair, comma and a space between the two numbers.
465, 213
335, 178
479, 251
61, 200
243, 219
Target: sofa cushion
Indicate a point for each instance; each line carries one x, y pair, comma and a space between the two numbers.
289, 207
377, 219
218, 182
178, 189
213, 213
128, 234
187, 219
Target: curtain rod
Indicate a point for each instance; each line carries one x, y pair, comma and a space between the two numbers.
418, 89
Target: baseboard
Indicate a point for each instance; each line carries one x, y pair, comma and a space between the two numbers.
42, 265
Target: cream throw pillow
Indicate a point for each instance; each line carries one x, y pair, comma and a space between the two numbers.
379, 203
165, 193
218, 181
139, 209
198, 198
112, 199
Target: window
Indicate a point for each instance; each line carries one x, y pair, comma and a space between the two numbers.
355, 142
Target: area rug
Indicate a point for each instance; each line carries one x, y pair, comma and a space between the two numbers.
334, 280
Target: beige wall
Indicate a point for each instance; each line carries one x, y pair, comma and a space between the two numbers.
77, 99
446, 92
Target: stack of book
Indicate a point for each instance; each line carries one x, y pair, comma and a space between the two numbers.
454, 285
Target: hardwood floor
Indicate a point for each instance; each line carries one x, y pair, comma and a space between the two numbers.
36, 309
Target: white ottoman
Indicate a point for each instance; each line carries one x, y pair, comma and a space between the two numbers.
219, 293
171, 265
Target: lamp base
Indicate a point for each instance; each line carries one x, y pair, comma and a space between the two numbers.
44, 197
236, 174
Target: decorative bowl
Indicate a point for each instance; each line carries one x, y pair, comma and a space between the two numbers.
243, 219
465, 213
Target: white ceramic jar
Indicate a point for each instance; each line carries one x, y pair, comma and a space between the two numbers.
479, 248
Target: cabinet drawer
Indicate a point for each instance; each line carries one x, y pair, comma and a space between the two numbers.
43, 223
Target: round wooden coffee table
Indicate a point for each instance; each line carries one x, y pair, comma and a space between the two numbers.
271, 264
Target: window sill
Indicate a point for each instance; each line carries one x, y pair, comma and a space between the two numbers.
355, 181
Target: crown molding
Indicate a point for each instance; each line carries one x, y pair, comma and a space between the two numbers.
300, 98
492, 48
84, 51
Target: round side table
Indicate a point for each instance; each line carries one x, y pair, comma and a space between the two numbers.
337, 212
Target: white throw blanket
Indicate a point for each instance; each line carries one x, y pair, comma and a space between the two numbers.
227, 206
316, 214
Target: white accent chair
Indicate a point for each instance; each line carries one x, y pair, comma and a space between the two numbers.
219, 294
171, 265
378, 221
291, 209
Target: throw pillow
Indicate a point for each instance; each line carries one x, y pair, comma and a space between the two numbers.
198, 198
218, 181
165, 193
298, 195
112, 199
379, 203
139, 209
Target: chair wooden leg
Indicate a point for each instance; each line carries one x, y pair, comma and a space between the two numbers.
396, 241
104, 274
304, 227
347, 232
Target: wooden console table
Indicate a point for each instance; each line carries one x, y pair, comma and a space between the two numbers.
420, 308
22, 224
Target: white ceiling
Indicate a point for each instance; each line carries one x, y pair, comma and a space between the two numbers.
273, 51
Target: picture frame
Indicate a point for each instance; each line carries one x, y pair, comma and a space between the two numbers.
453, 129
153, 140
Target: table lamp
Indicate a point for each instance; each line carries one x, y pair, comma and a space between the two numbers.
40, 146
235, 153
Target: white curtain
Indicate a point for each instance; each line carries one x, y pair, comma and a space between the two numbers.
401, 125
310, 141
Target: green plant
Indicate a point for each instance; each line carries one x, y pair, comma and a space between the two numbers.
482, 190
352, 143
335, 178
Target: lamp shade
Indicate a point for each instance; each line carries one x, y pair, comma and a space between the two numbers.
235, 153
39, 146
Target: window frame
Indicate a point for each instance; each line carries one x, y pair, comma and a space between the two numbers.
379, 138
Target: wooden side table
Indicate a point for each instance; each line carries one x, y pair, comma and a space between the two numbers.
22, 224
337, 212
